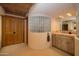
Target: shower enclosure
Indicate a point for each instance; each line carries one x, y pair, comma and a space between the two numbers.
39, 28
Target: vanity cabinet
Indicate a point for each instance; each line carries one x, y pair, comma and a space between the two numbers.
65, 43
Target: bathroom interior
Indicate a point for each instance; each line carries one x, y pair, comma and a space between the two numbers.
39, 29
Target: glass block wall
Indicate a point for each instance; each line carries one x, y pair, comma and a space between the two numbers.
39, 24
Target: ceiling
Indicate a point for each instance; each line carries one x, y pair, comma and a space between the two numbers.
20, 9
54, 9
51, 9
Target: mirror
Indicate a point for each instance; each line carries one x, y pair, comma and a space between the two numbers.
67, 25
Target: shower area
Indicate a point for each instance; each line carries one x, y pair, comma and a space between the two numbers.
39, 31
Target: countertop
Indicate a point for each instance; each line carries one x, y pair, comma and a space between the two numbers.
65, 34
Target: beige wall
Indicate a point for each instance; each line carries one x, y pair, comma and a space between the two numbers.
55, 25
38, 40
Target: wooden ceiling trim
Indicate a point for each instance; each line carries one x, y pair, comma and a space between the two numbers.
14, 16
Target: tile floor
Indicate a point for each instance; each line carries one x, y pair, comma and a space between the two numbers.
23, 50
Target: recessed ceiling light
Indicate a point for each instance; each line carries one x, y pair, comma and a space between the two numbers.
68, 14
61, 17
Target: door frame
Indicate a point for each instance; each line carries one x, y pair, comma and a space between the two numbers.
26, 31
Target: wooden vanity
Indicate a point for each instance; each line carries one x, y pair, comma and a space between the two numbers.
64, 42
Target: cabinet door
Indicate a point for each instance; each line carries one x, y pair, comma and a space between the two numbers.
70, 45
58, 41
63, 44
53, 40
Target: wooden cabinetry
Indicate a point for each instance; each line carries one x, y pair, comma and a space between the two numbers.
12, 30
65, 43
70, 45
